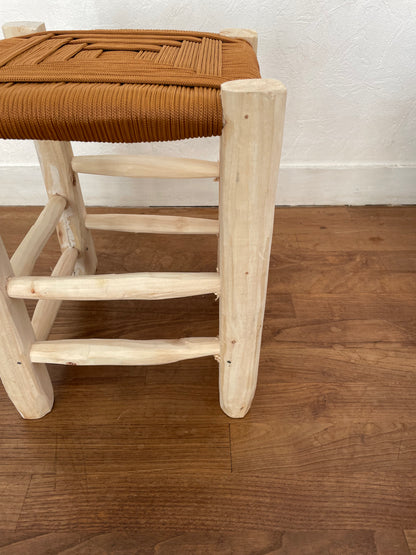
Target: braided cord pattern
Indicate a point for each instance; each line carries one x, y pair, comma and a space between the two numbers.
117, 85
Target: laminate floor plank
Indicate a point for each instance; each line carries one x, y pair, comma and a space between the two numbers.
322, 448
377, 363
243, 542
337, 331
13, 491
330, 402
59, 447
394, 308
218, 501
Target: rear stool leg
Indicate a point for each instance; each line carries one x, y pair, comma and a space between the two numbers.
249, 163
28, 385
55, 159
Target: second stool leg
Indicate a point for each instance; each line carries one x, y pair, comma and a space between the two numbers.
55, 160
249, 163
28, 385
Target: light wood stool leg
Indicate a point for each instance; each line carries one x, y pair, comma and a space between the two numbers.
28, 385
55, 161
249, 163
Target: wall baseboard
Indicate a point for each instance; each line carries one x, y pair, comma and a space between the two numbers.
298, 185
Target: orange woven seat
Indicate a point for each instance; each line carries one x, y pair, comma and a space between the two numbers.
117, 86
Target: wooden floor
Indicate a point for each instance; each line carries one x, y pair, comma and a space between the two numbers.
142, 459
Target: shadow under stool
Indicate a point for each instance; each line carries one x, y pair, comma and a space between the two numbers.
128, 86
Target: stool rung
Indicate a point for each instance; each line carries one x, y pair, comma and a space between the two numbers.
145, 166
144, 223
91, 352
144, 285
36, 238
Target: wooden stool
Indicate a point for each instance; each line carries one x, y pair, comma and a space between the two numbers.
135, 86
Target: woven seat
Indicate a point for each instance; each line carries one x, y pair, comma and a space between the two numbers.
117, 86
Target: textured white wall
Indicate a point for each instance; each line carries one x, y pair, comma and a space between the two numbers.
349, 67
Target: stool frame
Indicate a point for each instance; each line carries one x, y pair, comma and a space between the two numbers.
250, 147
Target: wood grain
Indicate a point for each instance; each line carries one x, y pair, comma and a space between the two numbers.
145, 166
217, 500
28, 385
24, 258
323, 448
243, 542
253, 114
13, 491
59, 178
140, 285
139, 223
323, 462
45, 312
379, 363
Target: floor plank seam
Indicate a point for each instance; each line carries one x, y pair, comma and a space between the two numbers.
23, 503
231, 451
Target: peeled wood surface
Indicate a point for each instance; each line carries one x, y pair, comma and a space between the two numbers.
59, 178
46, 311
19, 28
26, 254
144, 456
145, 166
143, 285
28, 385
143, 223
122, 352
251, 142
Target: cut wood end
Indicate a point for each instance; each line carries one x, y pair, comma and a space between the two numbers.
21, 28
246, 34
254, 86
235, 410
241, 33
